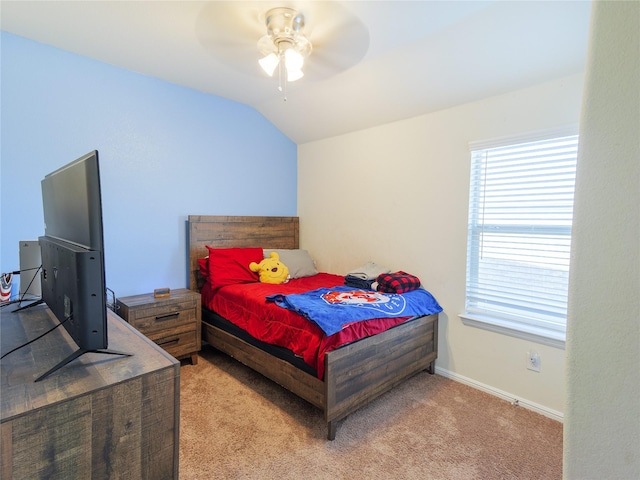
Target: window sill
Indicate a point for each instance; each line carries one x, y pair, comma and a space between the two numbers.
513, 329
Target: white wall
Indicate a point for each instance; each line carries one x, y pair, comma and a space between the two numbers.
602, 428
398, 195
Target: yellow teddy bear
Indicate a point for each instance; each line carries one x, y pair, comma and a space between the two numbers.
271, 270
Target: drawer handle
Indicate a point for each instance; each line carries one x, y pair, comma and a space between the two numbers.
169, 316
168, 342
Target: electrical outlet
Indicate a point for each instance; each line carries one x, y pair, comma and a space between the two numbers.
533, 361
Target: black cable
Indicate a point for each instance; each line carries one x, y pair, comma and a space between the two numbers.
37, 338
18, 272
111, 302
32, 279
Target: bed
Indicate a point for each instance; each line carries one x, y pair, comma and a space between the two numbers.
352, 374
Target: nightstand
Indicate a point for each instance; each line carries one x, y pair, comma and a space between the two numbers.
172, 322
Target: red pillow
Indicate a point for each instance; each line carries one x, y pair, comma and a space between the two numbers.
203, 263
228, 266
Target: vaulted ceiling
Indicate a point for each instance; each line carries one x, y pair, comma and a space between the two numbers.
373, 62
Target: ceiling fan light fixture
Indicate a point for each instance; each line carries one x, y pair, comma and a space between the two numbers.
293, 75
284, 45
293, 60
269, 63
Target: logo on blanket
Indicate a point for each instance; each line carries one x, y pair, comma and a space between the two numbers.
384, 302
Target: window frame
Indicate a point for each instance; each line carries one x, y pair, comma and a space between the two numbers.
531, 330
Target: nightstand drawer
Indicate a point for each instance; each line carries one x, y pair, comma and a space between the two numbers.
176, 343
149, 320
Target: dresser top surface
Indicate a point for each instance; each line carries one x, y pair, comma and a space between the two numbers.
91, 371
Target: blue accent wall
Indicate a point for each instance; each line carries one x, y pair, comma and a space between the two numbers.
166, 152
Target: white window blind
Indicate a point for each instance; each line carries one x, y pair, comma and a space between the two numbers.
519, 237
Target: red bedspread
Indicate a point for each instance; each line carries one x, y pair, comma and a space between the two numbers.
245, 305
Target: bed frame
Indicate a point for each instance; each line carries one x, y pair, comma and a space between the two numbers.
356, 373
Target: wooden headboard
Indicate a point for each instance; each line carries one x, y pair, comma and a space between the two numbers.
243, 232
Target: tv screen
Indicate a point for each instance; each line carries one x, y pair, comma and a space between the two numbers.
72, 249
73, 204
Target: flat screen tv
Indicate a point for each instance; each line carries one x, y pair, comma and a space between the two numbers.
72, 250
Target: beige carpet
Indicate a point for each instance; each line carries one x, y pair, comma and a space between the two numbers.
236, 424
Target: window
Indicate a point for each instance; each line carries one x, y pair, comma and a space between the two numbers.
519, 237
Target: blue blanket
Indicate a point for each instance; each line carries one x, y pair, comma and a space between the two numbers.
334, 308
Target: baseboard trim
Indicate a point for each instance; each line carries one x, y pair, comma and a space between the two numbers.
509, 397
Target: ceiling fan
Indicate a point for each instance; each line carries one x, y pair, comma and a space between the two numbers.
240, 34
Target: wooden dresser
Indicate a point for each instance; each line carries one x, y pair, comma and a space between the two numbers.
98, 417
172, 322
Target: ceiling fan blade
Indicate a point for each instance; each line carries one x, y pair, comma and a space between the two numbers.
229, 32
337, 47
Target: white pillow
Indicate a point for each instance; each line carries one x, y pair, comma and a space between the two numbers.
298, 261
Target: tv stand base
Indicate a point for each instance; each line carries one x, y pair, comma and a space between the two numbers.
24, 307
76, 354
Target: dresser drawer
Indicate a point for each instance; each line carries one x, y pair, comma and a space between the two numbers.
154, 318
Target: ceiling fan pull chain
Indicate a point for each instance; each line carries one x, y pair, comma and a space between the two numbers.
282, 77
